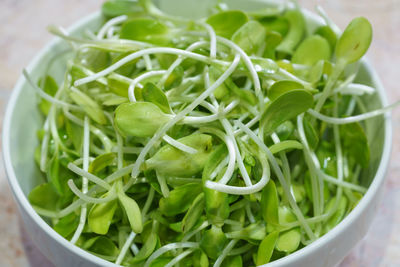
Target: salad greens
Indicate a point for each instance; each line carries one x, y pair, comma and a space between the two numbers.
234, 140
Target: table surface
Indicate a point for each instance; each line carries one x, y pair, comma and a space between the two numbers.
23, 32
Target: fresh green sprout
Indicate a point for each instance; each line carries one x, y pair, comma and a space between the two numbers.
234, 140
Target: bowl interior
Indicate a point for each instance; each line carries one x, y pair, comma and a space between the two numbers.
25, 118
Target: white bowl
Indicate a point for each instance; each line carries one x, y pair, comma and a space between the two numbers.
22, 119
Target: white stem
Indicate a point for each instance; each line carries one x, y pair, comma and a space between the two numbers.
131, 89
179, 145
125, 248
109, 24
352, 119
93, 178
147, 51
167, 248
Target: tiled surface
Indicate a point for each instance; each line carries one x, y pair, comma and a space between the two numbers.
23, 33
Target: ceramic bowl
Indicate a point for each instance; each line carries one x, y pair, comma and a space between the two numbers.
23, 119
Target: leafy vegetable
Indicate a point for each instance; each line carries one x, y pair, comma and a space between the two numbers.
241, 142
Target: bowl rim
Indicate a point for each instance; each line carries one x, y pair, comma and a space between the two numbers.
24, 204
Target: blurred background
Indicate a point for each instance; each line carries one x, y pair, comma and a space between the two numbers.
23, 33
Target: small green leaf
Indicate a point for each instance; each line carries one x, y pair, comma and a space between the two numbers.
194, 213
285, 145
217, 206
266, 248
280, 87
226, 23
245, 95
250, 36
254, 231
213, 242
131, 208
338, 215
148, 247
175, 78
355, 143
289, 241
265, 65
286, 215
285, 130
100, 216
67, 225
232, 261
285, 107
102, 161
355, 41
312, 50
270, 203
295, 33
58, 176
44, 196
145, 30
102, 246
174, 162
180, 199
91, 107
217, 155
327, 32
140, 119
278, 24
200, 259
115, 8
272, 40
311, 134
151, 93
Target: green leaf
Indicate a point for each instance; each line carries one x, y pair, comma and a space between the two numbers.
285, 145
140, 119
217, 206
175, 78
265, 65
286, 215
250, 36
289, 241
180, 199
280, 87
102, 161
119, 86
296, 31
67, 225
232, 261
266, 248
221, 91
200, 259
91, 107
213, 242
193, 214
58, 176
355, 143
115, 8
270, 203
101, 245
226, 23
272, 40
49, 86
285, 107
145, 30
44, 196
100, 216
338, 215
278, 24
311, 134
131, 208
216, 156
254, 231
245, 95
151, 93
285, 130
75, 134
312, 50
171, 161
327, 32
148, 247
355, 41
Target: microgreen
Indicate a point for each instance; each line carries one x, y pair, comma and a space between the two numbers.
233, 140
